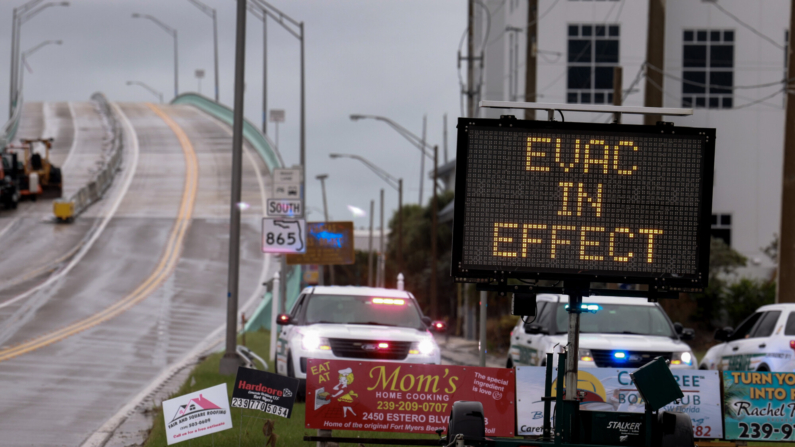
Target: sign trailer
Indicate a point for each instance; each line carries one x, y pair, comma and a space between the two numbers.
585, 202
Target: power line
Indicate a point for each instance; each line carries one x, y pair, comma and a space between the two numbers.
760, 100
751, 28
700, 84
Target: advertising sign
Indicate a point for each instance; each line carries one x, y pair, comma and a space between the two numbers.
283, 235
551, 200
327, 243
197, 414
611, 389
759, 406
264, 391
404, 398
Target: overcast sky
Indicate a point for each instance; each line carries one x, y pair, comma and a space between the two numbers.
391, 58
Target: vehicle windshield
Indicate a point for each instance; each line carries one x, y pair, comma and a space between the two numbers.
618, 319
347, 309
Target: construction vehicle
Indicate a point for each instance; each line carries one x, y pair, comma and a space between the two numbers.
40, 178
9, 182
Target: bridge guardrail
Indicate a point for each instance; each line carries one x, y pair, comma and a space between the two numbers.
68, 209
271, 156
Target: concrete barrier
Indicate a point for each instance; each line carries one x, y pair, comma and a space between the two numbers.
69, 208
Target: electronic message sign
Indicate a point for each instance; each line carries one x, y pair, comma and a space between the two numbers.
592, 202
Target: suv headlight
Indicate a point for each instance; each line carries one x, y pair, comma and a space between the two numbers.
313, 342
424, 347
682, 358
585, 355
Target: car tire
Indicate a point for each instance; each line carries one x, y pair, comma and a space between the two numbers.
509, 363
301, 395
763, 368
703, 367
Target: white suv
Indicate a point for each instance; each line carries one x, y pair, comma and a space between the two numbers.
361, 323
615, 333
765, 341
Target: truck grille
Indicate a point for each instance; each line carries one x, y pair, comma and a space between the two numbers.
634, 359
368, 349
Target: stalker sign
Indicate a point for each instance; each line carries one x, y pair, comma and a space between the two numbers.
551, 200
264, 391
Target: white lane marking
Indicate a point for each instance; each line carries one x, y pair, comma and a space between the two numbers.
8, 227
100, 437
74, 137
125, 186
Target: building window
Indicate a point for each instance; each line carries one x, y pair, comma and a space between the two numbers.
708, 69
592, 56
721, 227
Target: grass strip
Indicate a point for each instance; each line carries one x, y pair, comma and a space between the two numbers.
247, 424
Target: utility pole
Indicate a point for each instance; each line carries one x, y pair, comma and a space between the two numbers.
230, 361
400, 225
530, 64
422, 156
370, 252
655, 49
322, 178
381, 255
434, 223
470, 62
445, 138
785, 291
618, 80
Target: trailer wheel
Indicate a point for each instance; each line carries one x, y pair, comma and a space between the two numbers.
466, 418
676, 430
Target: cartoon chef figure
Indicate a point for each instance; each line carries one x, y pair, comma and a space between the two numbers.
346, 378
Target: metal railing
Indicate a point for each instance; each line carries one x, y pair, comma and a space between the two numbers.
67, 209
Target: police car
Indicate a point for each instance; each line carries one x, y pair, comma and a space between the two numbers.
614, 333
765, 341
353, 323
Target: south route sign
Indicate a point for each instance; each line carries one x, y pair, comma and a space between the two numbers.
327, 243
591, 202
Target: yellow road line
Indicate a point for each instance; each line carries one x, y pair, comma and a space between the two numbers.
165, 267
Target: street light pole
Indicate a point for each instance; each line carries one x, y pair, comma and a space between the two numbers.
153, 91
231, 361
322, 178
418, 142
397, 184
26, 54
19, 17
281, 18
211, 12
173, 33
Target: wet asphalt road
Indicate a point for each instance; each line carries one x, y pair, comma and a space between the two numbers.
161, 260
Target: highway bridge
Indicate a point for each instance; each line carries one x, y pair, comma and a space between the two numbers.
92, 311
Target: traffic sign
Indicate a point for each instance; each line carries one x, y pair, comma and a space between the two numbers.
285, 208
327, 243
286, 183
283, 235
581, 201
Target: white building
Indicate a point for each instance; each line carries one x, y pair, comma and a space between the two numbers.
723, 50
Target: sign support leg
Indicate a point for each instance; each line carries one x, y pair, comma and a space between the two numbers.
484, 297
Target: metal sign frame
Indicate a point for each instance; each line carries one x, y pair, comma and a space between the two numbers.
488, 274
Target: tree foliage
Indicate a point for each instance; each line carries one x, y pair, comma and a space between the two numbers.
417, 223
